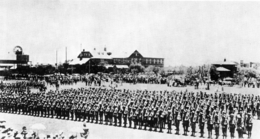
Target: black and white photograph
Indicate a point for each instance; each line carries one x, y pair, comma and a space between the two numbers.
81, 69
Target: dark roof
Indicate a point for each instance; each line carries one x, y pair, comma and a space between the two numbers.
85, 54
224, 63
136, 54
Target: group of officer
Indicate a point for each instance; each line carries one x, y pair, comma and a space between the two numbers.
140, 109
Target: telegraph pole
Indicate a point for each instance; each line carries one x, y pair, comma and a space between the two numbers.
66, 55
56, 59
89, 66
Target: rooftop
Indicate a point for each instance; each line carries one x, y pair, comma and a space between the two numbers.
225, 62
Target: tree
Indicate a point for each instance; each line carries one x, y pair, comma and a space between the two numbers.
49, 69
149, 68
189, 71
136, 67
61, 69
162, 71
248, 72
153, 69
213, 73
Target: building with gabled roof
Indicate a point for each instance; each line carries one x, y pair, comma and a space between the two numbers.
107, 57
226, 68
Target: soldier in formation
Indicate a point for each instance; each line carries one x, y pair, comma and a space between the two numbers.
140, 109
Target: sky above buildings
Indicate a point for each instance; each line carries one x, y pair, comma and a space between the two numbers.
187, 33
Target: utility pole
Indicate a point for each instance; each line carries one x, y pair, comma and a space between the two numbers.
89, 66
81, 47
66, 56
57, 59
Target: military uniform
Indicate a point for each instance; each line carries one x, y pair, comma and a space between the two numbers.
161, 116
120, 117
156, 121
130, 118
258, 110
63, 110
96, 113
146, 120
48, 109
107, 115
232, 125
249, 125
1, 103
115, 115
101, 113
30, 108
73, 111
38, 112
58, 110
81, 112
224, 124
177, 122
135, 118
35, 108
139, 119
125, 113
202, 121
91, 114
216, 126
52, 109
169, 122
239, 125
84, 112
194, 121
210, 125
186, 122
67, 110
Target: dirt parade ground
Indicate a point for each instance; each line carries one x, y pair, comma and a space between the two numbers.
100, 131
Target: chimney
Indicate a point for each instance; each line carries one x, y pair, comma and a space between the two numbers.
105, 49
83, 50
225, 60
241, 63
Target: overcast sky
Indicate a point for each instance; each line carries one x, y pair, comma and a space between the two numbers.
187, 33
